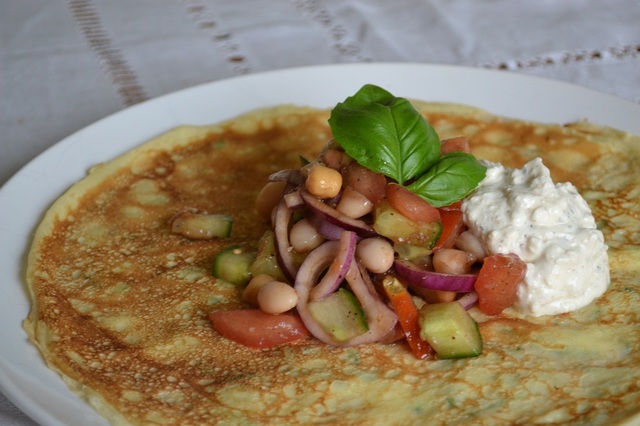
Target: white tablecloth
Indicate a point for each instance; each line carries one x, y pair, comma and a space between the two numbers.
66, 64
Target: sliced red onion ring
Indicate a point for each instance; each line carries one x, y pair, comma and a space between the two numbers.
334, 217
308, 275
338, 268
468, 300
414, 276
380, 318
293, 199
325, 228
281, 219
293, 176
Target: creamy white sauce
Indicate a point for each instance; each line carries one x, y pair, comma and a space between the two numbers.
550, 227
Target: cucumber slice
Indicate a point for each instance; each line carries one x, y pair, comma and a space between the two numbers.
216, 225
450, 330
402, 230
340, 315
232, 265
202, 226
266, 261
409, 252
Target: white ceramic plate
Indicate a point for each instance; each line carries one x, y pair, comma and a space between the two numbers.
23, 376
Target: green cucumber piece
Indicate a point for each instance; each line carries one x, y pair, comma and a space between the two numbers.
202, 226
409, 252
217, 225
232, 265
266, 261
450, 330
402, 230
340, 315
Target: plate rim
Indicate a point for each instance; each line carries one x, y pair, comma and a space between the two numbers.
168, 106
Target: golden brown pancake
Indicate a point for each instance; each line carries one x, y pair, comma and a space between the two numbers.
120, 304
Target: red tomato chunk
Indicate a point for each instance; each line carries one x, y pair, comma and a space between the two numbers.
452, 226
370, 184
411, 205
497, 282
258, 329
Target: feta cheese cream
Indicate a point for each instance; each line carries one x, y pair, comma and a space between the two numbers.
550, 227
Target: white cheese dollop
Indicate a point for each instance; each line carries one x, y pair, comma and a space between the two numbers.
550, 227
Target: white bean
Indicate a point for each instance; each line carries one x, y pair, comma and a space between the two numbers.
250, 293
376, 254
453, 261
323, 182
276, 297
353, 204
304, 237
468, 242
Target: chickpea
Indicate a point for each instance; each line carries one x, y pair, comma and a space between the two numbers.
323, 182
250, 293
354, 204
276, 297
268, 197
304, 237
376, 254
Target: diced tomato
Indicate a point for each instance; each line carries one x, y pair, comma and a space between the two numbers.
452, 226
497, 282
454, 206
370, 184
410, 205
459, 144
408, 317
258, 329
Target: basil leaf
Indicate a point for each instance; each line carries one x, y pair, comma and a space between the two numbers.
368, 94
385, 134
452, 178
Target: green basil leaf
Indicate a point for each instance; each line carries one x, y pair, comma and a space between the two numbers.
450, 179
368, 94
385, 134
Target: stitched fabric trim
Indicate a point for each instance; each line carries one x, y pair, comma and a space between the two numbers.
111, 59
340, 41
224, 40
616, 53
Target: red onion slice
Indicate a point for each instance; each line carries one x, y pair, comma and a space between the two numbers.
334, 217
281, 219
414, 276
468, 300
325, 228
338, 268
293, 176
293, 199
308, 275
380, 318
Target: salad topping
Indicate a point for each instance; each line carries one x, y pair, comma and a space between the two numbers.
380, 238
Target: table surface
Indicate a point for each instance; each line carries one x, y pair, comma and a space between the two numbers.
67, 64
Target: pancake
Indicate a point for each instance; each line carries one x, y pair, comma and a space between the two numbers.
120, 304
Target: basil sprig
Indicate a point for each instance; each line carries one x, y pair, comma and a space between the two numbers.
386, 134
450, 179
